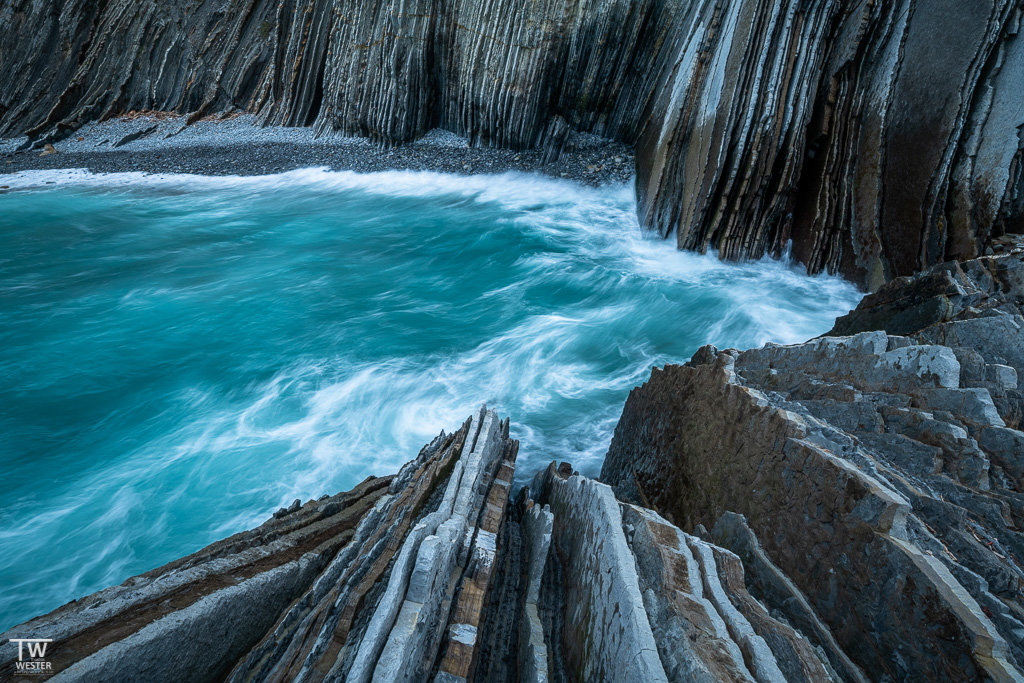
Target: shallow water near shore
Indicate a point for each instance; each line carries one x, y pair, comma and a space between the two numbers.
182, 355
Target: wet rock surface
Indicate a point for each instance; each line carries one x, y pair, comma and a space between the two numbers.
384, 581
878, 138
870, 484
194, 617
850, 508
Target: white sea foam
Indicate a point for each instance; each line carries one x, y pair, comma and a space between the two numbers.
514, 190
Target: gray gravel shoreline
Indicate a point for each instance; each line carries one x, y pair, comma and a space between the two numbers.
238, 146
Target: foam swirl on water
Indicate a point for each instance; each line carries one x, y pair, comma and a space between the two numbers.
181, 355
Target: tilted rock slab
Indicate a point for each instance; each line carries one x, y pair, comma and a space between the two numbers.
646, 602
384, 581
877, 523
434, 575
976, 308
607, 633
193, 618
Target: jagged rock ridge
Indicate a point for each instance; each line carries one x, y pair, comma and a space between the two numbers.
880, 137
871, 484
434, 574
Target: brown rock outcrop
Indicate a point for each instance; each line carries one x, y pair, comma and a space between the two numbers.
362, 584
192, 618
876, 517
977, 309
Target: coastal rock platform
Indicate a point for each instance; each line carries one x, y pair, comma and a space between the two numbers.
436, 574
871, 483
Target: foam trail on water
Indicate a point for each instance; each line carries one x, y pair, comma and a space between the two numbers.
181, 355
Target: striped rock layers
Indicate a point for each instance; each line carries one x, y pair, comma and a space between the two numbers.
382, 582
502, 72
880, 137
435, 575
871, 485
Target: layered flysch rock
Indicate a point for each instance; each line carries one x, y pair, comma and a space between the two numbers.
434, 575
880, 137
847, 509
356, 586
643, 601
504, 73
870, 484
197, 615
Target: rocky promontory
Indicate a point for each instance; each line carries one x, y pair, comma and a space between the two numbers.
871, 483
437, 573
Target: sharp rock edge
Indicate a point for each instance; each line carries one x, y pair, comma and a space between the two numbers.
872, 484
849, 508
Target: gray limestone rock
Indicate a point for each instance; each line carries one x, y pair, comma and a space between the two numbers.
337, 589
195, 617
644, 601
434, 575
878, 519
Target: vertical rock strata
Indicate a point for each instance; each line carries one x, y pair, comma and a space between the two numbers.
880, 137
499, 72
608, 635
870, 484
646, 602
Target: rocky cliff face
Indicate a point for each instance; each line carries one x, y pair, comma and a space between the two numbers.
871, 484
880, 137
501, 73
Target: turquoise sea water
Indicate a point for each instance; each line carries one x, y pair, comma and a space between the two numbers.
181, 355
